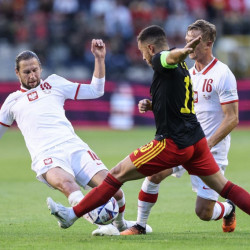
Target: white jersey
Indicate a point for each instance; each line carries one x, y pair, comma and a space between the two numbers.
39, 112
214, 86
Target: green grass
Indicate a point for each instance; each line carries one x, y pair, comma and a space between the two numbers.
25, 222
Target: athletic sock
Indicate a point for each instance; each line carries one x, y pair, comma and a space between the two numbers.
75, 197
146, 200
119, 222
98, 196
239, 196
221, 209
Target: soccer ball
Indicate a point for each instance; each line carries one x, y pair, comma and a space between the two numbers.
105, 214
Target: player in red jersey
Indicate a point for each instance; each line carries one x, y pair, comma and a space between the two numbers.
179, 138
216, 107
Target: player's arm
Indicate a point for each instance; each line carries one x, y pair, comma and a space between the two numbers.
230, 121
178, 55
99, 51
144, 105
96, 88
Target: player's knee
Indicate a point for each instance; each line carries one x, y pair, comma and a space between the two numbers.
203, 213
67, 186
155, 178
116, 170
119, 171
159, 177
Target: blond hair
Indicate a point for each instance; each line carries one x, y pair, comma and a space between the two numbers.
208, 29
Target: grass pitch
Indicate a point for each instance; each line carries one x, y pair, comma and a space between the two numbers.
25, 222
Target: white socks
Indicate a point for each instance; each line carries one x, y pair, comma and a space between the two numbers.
147, 198
119, 222
74, 198
218, 209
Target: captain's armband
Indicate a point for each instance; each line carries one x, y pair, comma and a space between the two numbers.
164, 63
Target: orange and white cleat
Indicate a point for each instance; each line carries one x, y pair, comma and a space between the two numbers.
229, 221
134, 230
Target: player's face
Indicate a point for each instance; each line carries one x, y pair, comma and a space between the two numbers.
145, 51
29, 73
201, 48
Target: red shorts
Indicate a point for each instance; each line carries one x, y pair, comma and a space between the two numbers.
157, 156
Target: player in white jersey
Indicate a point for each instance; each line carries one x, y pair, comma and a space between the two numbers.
59, 157
216, 107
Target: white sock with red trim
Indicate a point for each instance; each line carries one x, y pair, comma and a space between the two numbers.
146, 200
119, 222
221, 209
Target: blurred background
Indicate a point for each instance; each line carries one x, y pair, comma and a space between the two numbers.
60, 32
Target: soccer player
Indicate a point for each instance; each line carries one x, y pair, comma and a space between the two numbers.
179, 138
216, 107
59, 157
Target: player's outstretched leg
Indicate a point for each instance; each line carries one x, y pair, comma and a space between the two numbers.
229, 221
65, 216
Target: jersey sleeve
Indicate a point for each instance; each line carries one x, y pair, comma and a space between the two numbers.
76, 91
91, 91
6, 117
67, 88
159, 62
227, 88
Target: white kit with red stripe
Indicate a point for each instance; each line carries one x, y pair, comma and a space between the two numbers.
214, 86
39, 112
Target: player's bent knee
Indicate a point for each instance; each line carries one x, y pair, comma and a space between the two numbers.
159, 177
67, 187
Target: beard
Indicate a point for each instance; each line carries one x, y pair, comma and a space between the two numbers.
28, 86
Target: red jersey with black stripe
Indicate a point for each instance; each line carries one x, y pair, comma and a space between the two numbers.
214, 86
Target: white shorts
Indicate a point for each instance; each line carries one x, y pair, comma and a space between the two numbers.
198, 185
74, 156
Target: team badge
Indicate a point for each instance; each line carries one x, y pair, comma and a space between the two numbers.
48, 161
32, 96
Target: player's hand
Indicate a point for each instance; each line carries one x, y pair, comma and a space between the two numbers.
98, 48
190, 47
144, 105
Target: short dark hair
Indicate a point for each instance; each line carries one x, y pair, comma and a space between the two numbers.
153, 34
208, 29
26, 55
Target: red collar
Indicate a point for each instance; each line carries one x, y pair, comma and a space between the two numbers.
208, 68
23, 90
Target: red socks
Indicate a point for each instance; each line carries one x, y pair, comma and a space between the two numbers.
152, 198
239, 196
98, 196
